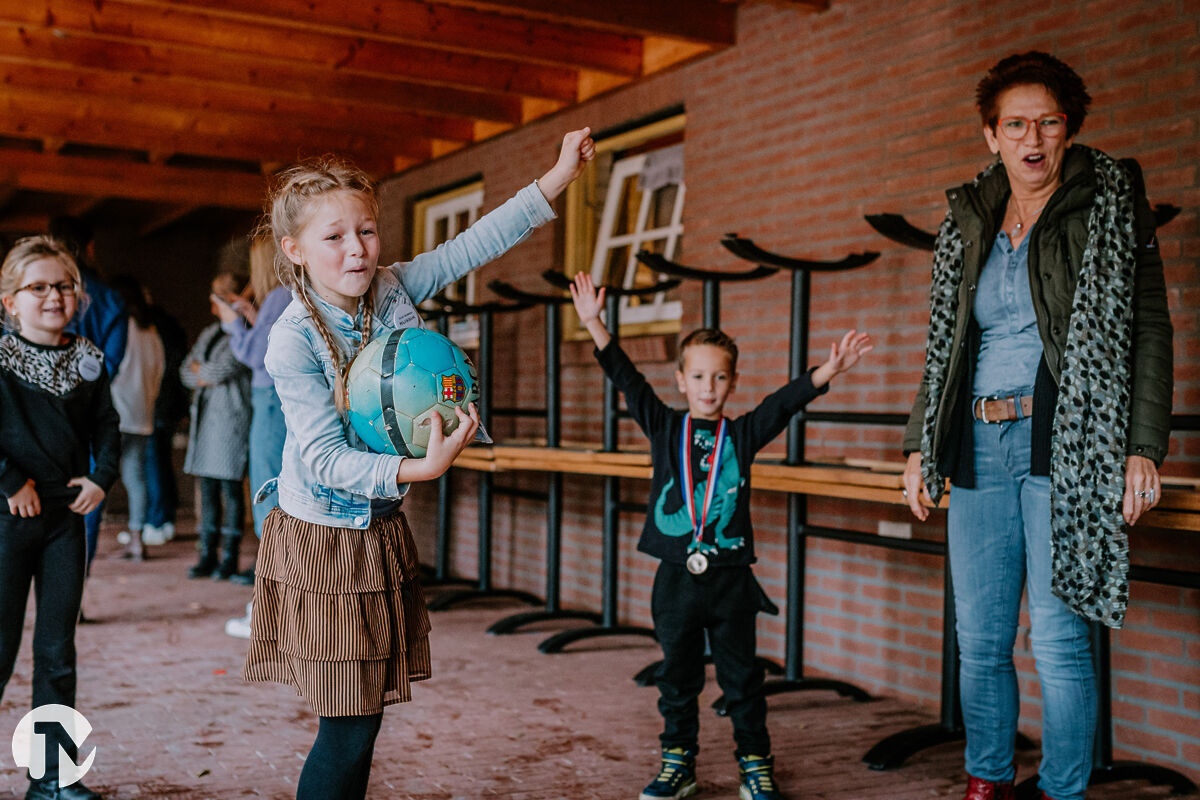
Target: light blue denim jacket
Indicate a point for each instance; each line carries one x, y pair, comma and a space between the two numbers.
328, 476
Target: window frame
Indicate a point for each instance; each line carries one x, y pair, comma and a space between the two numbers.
448, 205
583, 232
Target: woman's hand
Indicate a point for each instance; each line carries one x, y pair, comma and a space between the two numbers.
842, 356
577, 149
89, 498
589, 302
1143, 489
25, 503
441, 450
245, 309
914, 487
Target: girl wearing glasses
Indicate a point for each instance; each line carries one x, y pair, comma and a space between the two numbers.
1048, 365
55, 410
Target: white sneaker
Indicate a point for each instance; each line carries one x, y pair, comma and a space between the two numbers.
239, 627
168, 531
151, 534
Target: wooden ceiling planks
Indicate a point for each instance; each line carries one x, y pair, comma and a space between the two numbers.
128, 89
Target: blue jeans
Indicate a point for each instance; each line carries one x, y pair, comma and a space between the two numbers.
267, 432
999, 540
134, 451
161, 490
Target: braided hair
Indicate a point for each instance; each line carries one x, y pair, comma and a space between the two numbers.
289, 209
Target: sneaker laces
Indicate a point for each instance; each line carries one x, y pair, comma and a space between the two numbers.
674, 761
757, 773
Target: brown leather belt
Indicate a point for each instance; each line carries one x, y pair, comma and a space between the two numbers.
1002, 409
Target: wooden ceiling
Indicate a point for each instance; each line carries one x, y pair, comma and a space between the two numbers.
168, 106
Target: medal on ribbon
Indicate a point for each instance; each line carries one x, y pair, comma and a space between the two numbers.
697, 562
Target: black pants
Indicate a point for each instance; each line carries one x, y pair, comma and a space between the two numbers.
50, 551
222, 508
339, 764
722, 602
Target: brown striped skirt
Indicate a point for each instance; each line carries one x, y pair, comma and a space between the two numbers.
339, 614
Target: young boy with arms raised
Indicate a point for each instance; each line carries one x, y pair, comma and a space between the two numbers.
698, 524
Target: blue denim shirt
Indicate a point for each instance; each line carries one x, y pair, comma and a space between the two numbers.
328, 476
1010, 346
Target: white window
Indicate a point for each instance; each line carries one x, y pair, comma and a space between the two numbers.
638, 215
438, 219
630, 198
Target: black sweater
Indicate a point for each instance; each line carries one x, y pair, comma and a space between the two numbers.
668, 529
55, 412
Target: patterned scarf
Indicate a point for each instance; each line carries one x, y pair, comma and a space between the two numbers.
1089, 546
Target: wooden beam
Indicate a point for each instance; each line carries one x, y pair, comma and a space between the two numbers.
167, 217
288, 112
27, 223
172, 24
708, 22
461, 30
58, 46
147, 182
102, 121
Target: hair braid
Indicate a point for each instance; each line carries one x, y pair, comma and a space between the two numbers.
335, 350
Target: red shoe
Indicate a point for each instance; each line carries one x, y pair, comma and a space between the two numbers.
979, 789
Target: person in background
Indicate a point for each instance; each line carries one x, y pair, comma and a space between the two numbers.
218, 438
102, 320
134, 392
248, 328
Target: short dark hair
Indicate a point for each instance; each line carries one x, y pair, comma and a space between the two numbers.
714, 337
1038, 69
74, 233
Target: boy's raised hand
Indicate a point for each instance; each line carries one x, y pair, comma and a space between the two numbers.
842, 356
588, 304
577, 149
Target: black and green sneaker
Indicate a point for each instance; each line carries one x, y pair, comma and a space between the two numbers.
676, 777
757, 774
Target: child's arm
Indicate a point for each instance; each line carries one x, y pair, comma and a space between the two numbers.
105, 441
842, 357
588, 304
772, 415
314, 422
650, 413
222, 365
495, 233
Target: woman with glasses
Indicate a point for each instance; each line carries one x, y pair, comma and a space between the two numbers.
55, 412
1046, 402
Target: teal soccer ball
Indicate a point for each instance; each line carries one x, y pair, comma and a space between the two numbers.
398, 379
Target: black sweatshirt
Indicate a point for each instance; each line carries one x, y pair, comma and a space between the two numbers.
668, 529
55, 411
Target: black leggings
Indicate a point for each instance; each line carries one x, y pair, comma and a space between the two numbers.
339, 764
48, 550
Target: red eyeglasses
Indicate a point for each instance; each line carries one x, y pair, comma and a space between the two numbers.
1049, 126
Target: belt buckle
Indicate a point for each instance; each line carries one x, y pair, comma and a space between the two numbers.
983, 401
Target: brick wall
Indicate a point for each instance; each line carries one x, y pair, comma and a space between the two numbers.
810, 122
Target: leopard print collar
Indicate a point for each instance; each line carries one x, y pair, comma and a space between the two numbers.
57, 370
1090, 548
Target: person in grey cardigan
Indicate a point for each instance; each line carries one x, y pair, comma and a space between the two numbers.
218, 440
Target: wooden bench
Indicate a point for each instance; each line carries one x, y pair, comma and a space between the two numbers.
872, 481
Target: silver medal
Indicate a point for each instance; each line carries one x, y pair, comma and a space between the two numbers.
697, 563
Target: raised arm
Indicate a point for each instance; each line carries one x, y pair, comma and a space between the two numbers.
588, 304
495, 233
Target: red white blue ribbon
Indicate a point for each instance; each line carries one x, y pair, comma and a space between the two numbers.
685, 465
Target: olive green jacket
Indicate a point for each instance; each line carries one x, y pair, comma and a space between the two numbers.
1055, 254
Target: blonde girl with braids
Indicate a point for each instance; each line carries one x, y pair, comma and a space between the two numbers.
338, 613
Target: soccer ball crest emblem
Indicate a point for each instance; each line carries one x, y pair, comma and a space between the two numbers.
398, 379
